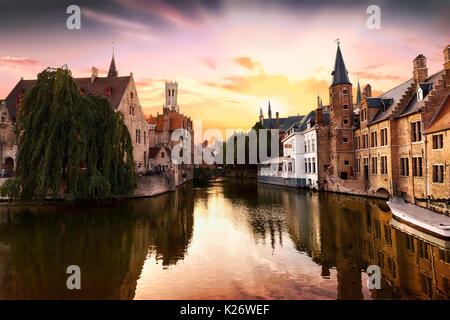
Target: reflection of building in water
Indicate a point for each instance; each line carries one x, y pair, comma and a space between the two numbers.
109, 244
411, 267
350, 233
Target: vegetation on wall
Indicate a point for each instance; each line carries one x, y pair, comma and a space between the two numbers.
69, 144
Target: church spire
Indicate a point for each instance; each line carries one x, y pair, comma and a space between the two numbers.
340, 74
358, 95
270, 111
112, 67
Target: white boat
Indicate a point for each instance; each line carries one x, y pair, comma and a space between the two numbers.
428, 237
430, 221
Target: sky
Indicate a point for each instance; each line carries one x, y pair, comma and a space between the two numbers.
229, 57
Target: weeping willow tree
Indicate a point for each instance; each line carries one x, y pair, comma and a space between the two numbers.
70, 144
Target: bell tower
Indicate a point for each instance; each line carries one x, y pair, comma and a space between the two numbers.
171, 95
341, 120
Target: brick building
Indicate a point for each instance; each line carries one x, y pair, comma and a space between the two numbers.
393, 152
119, 90
341, 121
8, 146
160, 133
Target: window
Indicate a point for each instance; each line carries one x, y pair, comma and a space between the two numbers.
306, 150
131, 95
387, 235
404, 167
438, 141
384, 165
423, 249
313, 145
108, 91
358, 142
345, 139
374, 165
444, 255
391, 266
358, 165
417, 166
438, 173
344, 92
383, 133
363, 115
346, 162
145, 138
373, 138
131, 111
345, 106
345, 121
416, 131
365, 141
289, 166
309, 165
306, 165
410, 243
377, 229
138, 136
314, 165
426, 285
280, 167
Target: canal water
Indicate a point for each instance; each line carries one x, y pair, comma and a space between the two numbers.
223, 239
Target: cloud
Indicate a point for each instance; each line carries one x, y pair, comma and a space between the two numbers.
19, 61
112, 19
373, 76
209, 62
247, 63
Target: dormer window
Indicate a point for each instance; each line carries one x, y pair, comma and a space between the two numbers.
419, 94
108, 91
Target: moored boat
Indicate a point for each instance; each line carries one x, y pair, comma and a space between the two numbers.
430, 221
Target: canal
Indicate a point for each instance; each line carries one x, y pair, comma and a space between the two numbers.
223, 239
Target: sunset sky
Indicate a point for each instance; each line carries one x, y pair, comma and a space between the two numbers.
229, 57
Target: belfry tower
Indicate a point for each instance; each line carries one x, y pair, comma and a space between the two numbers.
341, 120
171, 95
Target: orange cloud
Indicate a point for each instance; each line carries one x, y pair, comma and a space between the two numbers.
19, 61
247, 63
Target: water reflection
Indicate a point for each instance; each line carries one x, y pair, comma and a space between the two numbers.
110, 245
220, 239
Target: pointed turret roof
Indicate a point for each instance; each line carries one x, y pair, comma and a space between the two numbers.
270, 111
112, 68
340, 74
358, 95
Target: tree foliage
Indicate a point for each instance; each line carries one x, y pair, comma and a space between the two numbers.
69, 144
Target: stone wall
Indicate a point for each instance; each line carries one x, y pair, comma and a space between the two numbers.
151, 185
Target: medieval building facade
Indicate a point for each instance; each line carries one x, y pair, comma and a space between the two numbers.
119, 90
396, 144
161, 128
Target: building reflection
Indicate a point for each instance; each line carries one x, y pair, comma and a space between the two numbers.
350, 233
110, 245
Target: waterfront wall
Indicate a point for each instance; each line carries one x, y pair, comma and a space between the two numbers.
241, 172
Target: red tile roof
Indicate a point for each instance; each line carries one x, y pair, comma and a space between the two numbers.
118, 86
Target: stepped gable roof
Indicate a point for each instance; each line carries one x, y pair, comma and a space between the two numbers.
118, 86
414, 104
392, 97
441, 119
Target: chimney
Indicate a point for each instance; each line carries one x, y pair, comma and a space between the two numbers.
94, 74
277, 122
447, 64
367, 91
420, 72
319, 116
